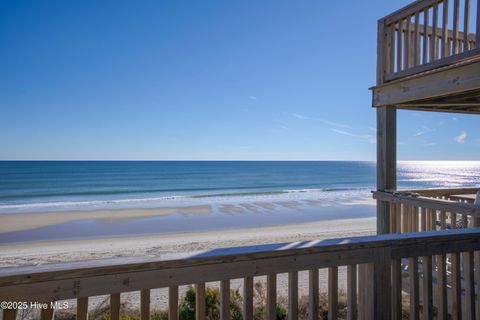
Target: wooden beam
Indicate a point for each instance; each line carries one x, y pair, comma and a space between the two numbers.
449, 81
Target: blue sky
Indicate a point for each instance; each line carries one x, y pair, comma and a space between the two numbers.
268, 79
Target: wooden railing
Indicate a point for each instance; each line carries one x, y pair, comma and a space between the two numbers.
374, 277
431, 210
425, 35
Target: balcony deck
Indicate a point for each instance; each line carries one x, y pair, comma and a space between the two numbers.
430, 66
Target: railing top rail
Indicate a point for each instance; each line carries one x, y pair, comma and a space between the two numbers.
408, 10
424, 201
58, 271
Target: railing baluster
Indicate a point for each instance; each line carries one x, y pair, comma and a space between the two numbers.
423, 218
391, 51
398, 210
433, 39
456, 18
416, 40
393, 218
200, 308
313, 294
425, 36
445, 47
414, 287
442, 309
248, 298
407, 48
82, 308
399, 45
456, 286
404, 218
352, 292
145, 304
225, 300
466, 25
271, 297
115, 306
468, 274
332, 293
427, 288
9, 314
477, 33
173, 303
47, 313
396, 289
293, 295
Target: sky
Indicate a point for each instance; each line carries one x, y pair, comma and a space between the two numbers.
201, 80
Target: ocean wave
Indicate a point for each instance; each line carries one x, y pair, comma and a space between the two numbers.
151, 202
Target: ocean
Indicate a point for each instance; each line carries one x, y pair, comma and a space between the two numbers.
39, 186
80, 197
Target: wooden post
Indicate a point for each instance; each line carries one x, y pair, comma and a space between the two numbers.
386, 162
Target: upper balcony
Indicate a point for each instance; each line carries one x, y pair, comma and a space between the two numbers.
429, 57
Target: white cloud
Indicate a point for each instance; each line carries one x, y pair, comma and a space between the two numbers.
461, 137
423, 130
368, 137
331, 123
253, 98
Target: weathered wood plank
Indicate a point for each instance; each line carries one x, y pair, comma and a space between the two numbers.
468, 272
332, 293
225, 300
442, 312
414, 291
115, 306
427, 288
47, 313
9, 314
396, 290
352, 292
382, 284
386, 162
313, 294
82, 308
173, 303
200, 302
248, 298
466, 24
145, 304
271, 297
456, 20
456, 287
444, 43
433, 37
293, 295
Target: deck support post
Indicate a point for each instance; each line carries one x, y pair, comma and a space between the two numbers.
386, 136
386, 162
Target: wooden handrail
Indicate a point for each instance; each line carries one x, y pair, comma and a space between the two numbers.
82, 279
